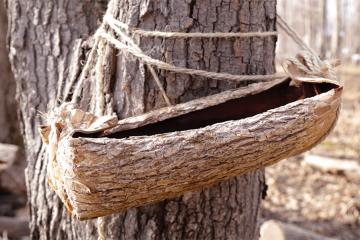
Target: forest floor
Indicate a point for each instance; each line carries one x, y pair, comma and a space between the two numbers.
325, 202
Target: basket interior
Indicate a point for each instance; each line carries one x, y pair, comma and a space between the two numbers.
234, 109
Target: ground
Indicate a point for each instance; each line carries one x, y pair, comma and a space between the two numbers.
323, 202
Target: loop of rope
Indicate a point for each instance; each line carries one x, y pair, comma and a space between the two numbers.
146, 33
136, 51
313, 64
132, 43
169, 67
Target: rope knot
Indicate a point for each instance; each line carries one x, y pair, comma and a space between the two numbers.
66, 118
306, 66
60, 123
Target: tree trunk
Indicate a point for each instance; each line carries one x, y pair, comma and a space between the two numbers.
324, 22
336, 37
308, 11
355, 31
8, 116
356, 42
284, 45
43, 35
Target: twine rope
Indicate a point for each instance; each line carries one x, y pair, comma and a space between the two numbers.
127, 44
147, 33
295, 36
130, 46
312, 64
169, 67
136, 47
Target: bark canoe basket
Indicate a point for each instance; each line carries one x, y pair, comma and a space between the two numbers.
100, 169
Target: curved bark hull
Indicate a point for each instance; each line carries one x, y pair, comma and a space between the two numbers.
98, 176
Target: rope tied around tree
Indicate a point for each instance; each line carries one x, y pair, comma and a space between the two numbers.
312, 64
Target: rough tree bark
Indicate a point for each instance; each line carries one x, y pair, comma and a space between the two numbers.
8, 116
42, 35
12, 177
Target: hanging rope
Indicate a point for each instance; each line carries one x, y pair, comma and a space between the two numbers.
294, 36
152, 70
145, 33
169, 67
127, 44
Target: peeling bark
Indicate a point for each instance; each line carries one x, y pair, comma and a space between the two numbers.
97, 176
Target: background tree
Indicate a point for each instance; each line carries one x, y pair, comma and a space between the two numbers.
42, 37
330, 27
324, 26
12, 161
8, 118
336, 30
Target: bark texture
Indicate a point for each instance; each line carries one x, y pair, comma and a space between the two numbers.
8, 118
43, 35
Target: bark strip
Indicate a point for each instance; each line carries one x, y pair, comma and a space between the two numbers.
100, 176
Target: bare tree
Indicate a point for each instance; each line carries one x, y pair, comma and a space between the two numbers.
354, 42
308, 19
336, 37
8, 118
357, 31
324, 25
42, 36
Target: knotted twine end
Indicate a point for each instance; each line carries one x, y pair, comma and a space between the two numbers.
306, 67
62, 122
